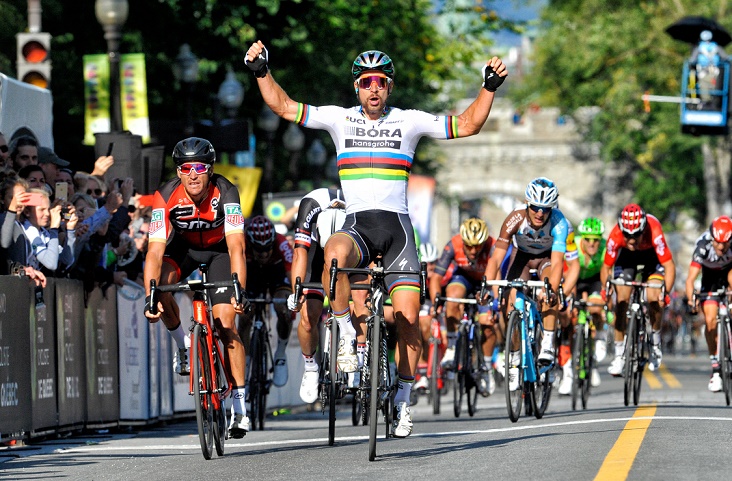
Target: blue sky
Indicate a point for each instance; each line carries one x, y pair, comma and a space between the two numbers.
511, 9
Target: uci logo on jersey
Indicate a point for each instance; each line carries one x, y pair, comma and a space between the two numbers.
355, 120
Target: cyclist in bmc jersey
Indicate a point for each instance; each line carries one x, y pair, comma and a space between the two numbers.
538, 231
712, 258
469, 251
637, 240
375, 146
320, 213
197, 219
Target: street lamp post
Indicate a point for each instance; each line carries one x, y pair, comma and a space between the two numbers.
231, 94
112, 14
268, 121
185, 71
294, 140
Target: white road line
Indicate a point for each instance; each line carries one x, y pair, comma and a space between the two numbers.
177, 447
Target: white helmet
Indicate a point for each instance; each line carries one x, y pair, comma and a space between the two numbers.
329, 221
542, 192
428, 253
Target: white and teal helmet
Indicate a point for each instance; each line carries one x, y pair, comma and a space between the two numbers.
542, 192
372, 60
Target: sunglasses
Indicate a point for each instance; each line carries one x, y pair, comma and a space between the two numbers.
591, 239
94, 191
3, 148
633, 236
536, 209
381, 82
200, 169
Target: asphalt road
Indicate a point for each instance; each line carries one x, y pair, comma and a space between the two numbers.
680, 431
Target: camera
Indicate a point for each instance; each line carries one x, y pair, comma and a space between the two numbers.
65, 213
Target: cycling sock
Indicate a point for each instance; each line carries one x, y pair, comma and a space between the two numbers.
238, 395
715, 363
360, 352
404, 389
310, 362
514, 358
344, 322
451, 339
619, 348
179, 335
656, 337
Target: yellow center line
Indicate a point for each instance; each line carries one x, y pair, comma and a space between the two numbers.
651, 379
669, 378
619, 460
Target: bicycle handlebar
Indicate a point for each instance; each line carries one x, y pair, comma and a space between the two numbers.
380, 272
648, 285
194, 285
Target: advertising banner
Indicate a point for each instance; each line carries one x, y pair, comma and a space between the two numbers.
133, 87
70, 349
101, 358
246, 179
134, 374
15, 356
96, 96
420, 197
44, 385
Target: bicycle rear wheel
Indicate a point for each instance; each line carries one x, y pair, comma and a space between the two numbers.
514, 399
724, 358
577, 381
458, 386
202, 390
332, 380
631, 356
375, 338
434, 394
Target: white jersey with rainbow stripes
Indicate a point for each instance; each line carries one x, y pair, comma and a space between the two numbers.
375, 156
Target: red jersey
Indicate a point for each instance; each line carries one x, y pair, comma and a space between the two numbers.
281, 252
454, 253
651, 238
203, 225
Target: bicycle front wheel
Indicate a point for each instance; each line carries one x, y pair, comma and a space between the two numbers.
542, 388
219, 385
588, 356
458, 386
434, 376
332, 380
631, 355
474, 363
514, 398
202, 390
724, 358
374, 359
577, 354
644, 354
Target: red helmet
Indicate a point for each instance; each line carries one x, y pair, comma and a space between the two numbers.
721, 229
261, 233
632, 220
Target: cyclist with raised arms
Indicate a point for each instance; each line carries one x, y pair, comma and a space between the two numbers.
375, 146
196, 219
320, 213
712, 258
637, 239
538, 231
269, 261
469, 251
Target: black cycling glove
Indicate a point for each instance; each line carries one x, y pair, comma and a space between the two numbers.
259, 64
491, 80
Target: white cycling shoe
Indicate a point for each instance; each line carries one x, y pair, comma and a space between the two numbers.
715, 383
309, 387
402, 425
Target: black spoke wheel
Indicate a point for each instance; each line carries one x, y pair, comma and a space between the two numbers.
631, 356
643, 355
257, 381
724, 358
434, 394
577, 355
541, 389
220, 413
588, 356
458, 387
201, 391
374, 378
514, 399
473, 359
332, 379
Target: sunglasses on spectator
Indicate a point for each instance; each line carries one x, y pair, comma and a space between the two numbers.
94, 191
381, 82
200, 169
536, 209
3, 148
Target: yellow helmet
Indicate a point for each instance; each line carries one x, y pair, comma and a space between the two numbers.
474, 231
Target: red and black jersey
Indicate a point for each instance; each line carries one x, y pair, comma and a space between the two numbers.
454, 255
203, 225
651, 238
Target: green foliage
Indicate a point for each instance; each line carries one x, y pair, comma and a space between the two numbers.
607, 54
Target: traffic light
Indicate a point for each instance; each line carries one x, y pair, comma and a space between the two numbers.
34, 58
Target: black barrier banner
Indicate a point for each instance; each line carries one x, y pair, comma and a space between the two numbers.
102, 357
71, 356
15, 356
43, 352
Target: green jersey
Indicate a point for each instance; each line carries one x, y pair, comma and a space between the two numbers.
590, 266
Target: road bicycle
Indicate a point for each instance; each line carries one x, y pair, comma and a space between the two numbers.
434, 367
637, 335
468, 363
332, 382
524, 331
210, 383
261, 362
724, 335
376, 388
583, 352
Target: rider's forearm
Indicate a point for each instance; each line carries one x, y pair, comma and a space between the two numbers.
669, 275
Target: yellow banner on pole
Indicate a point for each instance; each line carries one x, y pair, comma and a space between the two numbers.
133, 89
246, 179
96, 96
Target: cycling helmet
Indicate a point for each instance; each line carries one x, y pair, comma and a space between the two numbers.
428, 253
261, 233
591, 227
474, 231
372, 60
329, 221
721, 229
632, 219
194, 149
542, 192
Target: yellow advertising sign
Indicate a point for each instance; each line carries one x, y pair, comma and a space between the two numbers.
133, 89
246, 179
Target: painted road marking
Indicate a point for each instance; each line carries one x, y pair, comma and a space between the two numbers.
619, 460
652, 380
669, 378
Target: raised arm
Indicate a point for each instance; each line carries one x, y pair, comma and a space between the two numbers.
471, 121
274, 96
